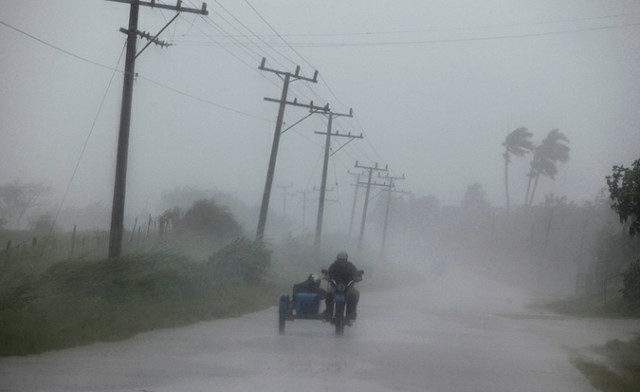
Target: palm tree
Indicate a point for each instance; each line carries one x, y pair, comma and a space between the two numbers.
517, 143
551, 150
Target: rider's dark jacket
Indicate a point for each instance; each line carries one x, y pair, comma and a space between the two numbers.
343, 271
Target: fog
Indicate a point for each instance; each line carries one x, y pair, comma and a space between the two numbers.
435, 88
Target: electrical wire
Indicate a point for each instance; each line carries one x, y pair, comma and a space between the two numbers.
420, 31
57, 47
253, 33
283, 40
139, 76
86, 141
302, 57
236, 43
451, 40
204, 100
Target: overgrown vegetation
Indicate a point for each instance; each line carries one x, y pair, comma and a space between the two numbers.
243, 260
79, 301
206, 216
621, 373
631, 279
595, 305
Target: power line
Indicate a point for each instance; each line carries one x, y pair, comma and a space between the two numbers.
271, 47
164, 85
238, 44
204, 100
86, 140
278, 34
420, 31
254, 34
450, 40
139, 76
57, 47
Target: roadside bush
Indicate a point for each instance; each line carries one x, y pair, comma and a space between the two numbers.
243, 260
207, 216
631, 281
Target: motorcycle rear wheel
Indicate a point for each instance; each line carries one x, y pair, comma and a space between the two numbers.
339, 320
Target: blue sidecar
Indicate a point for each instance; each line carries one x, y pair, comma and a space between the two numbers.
298, 306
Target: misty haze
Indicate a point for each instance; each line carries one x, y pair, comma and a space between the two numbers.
282, 196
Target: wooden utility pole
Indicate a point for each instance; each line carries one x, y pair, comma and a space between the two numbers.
355, 198
370, 170
287, 78
304, 206
119, 188
325, 166
390, 189
284, 197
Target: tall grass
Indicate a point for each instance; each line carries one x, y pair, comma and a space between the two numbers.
622, 371
80, 301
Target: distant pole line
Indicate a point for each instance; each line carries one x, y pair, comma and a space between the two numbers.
323, 183
287, 77
370, 170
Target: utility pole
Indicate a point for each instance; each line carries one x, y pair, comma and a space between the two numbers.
284, 197
119, 189
287, 78
370, 170
390, 189
325, 166
355, 198
304, 206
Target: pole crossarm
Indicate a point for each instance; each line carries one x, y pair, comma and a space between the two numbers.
337, 133
391, 178
392, 184
382, 185
294, 76
295, 102
375, 167
152, 39
178, 7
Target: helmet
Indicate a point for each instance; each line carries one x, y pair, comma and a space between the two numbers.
316, 279
342, 255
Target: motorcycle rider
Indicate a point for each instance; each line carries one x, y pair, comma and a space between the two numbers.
343, 271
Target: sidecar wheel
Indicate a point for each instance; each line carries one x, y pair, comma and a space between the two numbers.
281, 322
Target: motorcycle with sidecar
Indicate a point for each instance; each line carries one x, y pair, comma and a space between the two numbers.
306, 305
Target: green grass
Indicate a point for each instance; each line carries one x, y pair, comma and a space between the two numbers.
77, 301
595, 306
619, 369
622, 372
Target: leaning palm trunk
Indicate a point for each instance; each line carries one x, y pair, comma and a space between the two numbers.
506, 181
533, 191
526, 196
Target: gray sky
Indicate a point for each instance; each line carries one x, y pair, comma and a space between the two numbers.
435, 87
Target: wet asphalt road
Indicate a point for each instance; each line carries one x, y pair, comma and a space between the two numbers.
408, 339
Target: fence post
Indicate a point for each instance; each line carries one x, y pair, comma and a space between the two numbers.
73, 240
133, 231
